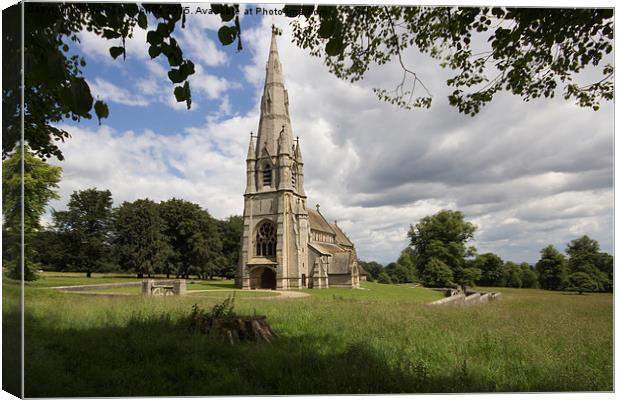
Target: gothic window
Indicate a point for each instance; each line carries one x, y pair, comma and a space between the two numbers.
267, 175
294, 177
266, 239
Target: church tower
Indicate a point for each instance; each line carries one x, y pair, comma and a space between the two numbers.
274, 243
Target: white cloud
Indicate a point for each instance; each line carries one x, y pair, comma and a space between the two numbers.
107, 91
98, 48
200, 47
528, 174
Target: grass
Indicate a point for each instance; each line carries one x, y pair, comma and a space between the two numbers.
382, 340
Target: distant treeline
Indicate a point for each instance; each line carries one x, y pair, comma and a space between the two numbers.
174, 237
584, 268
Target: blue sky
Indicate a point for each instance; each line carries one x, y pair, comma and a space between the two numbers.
527, 174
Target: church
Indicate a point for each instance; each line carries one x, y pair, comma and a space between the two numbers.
285, 243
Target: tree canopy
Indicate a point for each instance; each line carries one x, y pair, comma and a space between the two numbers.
531, 52
439, 242
551, 268
40, 185
86, 229
55, 88
140, 243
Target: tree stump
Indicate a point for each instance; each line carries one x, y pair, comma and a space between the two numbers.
235, 329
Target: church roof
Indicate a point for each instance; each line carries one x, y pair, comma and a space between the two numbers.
318, 223
341, 237
340, 263
327, 248
340, 258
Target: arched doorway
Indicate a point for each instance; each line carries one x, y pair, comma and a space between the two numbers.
268, 279
262, 277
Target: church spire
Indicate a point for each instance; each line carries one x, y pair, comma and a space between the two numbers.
274, 105
251, 150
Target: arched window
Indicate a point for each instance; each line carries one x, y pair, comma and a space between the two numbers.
294, 177
266, 239
267, 175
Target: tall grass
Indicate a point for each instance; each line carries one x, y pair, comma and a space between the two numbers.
382, 340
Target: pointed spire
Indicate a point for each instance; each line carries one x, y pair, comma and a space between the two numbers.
274, 105
284, 145
251, 151
274, 69
298, 152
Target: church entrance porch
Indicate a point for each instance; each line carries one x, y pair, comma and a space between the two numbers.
262, 277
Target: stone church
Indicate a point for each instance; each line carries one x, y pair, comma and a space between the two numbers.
285, 244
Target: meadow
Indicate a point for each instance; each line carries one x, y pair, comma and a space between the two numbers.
382, 339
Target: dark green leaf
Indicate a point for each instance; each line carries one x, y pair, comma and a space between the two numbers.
116, 51
154, 51
227, 35
307, 11
327, 28
142, 20
176, 76
153, 37
110, 34
334, 46
180, 94
101, 109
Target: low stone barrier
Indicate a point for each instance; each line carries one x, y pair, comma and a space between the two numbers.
470, 298
86, 288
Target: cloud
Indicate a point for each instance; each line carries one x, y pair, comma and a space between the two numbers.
200, 47
96, 47
527, 174
107, 91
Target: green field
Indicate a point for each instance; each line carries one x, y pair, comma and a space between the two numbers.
384, 339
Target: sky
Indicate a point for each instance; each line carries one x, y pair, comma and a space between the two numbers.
527, 174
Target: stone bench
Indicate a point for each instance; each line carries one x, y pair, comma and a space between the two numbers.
177, 287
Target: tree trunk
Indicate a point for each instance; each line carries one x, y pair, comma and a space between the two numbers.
88, 274
140, 275
167, 275
235, 329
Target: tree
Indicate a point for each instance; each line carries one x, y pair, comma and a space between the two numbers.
581, 282
50, 250
373, 268
230, 231
605, 264
585, 256
40, 185
384, 278
86, 230
55, 88
491, 266
438, 274
468, 277
530, 52
512, 275
529, 278
582, 254
442, 237
407, 259
551, 268
193, 237
139, 241
399, 273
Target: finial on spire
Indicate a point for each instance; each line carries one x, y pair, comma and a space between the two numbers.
275, 30
318, 206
